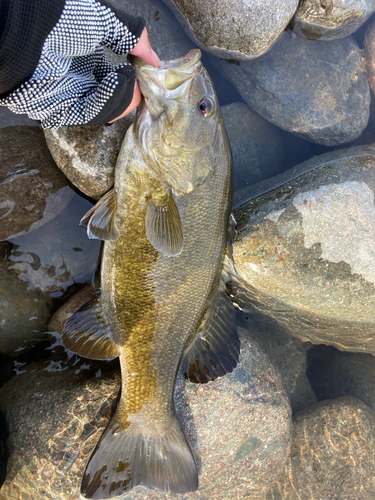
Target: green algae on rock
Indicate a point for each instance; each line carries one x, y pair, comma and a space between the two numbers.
306, 249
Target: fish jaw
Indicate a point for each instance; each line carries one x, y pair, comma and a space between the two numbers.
178, 138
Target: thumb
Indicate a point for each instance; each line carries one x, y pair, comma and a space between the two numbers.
144, 51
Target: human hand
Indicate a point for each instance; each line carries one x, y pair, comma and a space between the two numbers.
144, 51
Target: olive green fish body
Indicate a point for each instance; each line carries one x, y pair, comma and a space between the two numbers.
166, 229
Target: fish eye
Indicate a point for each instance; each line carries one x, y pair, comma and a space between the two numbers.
206, 106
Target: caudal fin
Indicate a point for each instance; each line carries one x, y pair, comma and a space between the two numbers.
157, 458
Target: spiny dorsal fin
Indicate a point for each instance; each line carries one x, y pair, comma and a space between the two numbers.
163, 225
153, 454
100, 219
86, 334
216, 348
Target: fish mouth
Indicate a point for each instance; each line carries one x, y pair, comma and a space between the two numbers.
171, 74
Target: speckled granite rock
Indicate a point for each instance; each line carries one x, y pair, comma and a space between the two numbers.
369, 53
238, 426
317, 20
288, 353
334, 373
257, 146
332, 454
87, 155
239, 29
317, 90
32, 189
39, 265
306, 249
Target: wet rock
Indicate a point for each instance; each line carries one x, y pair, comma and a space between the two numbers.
332, 454
32, 189
257, 146
38, 266
334, 374
239, 30
369, 52
316, 90
87, 155
238, 426
317, 20
288, 354
305, 246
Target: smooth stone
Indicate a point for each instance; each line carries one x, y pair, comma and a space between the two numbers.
239, 427
257, 146
288, 354
369, 53
317, 20
87, 154
240, 30
32, 189
316, 90
305, 245
334, 373
332, 454
40, 266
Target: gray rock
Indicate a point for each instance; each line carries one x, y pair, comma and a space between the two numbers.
316, 90
305, 246
332, 454
334, 374
369, 52
332, 19
38, 266
257, 146
239, 30
32, 189
238, 426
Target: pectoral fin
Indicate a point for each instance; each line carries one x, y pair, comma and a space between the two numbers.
86, 333
100, 220
163, 226
216, 348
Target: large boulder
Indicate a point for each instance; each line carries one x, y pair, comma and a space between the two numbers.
305, 247
241, 29
316, 90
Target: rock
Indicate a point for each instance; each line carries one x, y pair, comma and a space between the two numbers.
238, 426
334, 374
288, 354
32, 189
317, 90
332, 454
240, 30
317, 20
305, 246
369, 53
87, 155
257, 146
36, 267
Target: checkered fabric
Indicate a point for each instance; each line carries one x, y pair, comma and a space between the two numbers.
73, 82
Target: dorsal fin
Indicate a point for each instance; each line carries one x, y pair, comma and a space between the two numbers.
86, 333
163, 225
100, 219
216, 348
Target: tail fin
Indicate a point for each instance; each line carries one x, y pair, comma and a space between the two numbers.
157, 457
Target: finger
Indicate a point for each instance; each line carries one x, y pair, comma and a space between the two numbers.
144, 51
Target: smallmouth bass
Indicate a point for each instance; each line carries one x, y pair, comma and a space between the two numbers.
163, 300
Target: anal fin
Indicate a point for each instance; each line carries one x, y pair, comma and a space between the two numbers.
155, 455
86, 333
216, 348
100, 219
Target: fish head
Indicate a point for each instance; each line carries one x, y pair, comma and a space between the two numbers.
178, 120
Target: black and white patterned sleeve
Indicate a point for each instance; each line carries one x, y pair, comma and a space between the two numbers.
74, 83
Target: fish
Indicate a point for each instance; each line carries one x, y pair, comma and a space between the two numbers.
164, 303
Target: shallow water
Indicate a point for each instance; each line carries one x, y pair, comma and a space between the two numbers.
58, 259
